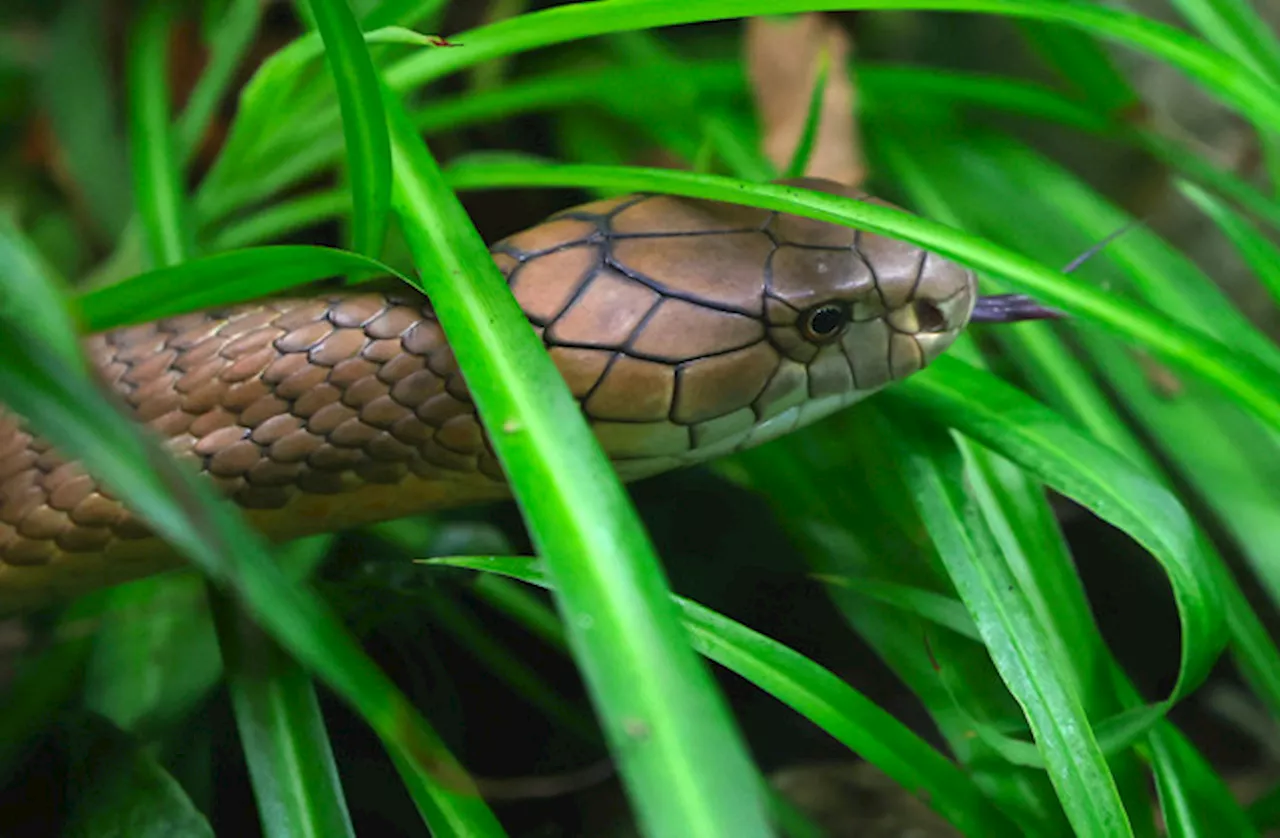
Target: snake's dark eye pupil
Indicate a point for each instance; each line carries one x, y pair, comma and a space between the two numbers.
929, 316
824, 321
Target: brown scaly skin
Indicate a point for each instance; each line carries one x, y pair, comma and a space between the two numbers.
687, 329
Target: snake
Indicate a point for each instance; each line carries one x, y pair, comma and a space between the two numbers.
687, 330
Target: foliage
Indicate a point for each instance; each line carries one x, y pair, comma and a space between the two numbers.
924, 513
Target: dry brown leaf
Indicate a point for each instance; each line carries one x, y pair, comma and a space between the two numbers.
782, 64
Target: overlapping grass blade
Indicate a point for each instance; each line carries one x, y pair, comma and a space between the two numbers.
1236, 29
82, 421
157, 182
666, 727
79, 100
363, 124
220, 279
1015, 426
1230, 80
938, 184
1195, 800
230, 41
1258, 252
282, 731
1234, 83
1245, 379
1027, 661
1082, 64
817, 694
34, 296
120, 788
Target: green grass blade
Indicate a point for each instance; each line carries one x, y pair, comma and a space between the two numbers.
1258, 252
1082, 64
282, 218
157, 184
1228, 79
221, 279
295, 780
1019, 429
849, 526
363, 123
1236, 29
81, 104
231, 39
155, 655
404, 13
1245, 379
815, 693
446, 612
84, 423
812, 119
32, 294
1050, 366
121, 789
520, 605
1036, 676
1195, 800
679, 753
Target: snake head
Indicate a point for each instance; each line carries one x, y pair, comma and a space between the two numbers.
859, 310
690, 328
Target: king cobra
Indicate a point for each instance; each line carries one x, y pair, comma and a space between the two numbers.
686, 329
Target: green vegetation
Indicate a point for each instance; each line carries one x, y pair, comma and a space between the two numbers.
918, 523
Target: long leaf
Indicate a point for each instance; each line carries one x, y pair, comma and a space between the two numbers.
683, 761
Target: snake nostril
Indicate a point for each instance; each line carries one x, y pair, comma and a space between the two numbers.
825, 321
929, 316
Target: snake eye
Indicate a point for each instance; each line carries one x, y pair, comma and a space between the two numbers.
929, 316
824, 322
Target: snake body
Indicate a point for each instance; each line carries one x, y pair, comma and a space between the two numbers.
687, 330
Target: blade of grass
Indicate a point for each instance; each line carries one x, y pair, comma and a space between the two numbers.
1036, 676
1244, 378
221, 279
286, 746
1008, 422
121, 789
1084, 65
155, 655
404, 13
363, 124
281, 218
678, 751
815, 693
157, 184
1193, 796
34, 296
1234, 83
1258, 252
804, 149
81, 104
1236, 29
87, 424
232, 37
1051, 367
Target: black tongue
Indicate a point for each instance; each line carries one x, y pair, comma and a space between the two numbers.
1011, 308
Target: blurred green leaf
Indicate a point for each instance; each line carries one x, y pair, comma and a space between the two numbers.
82, 108
157, 181
120, 789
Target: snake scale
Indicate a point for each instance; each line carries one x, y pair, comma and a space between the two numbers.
687, 330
